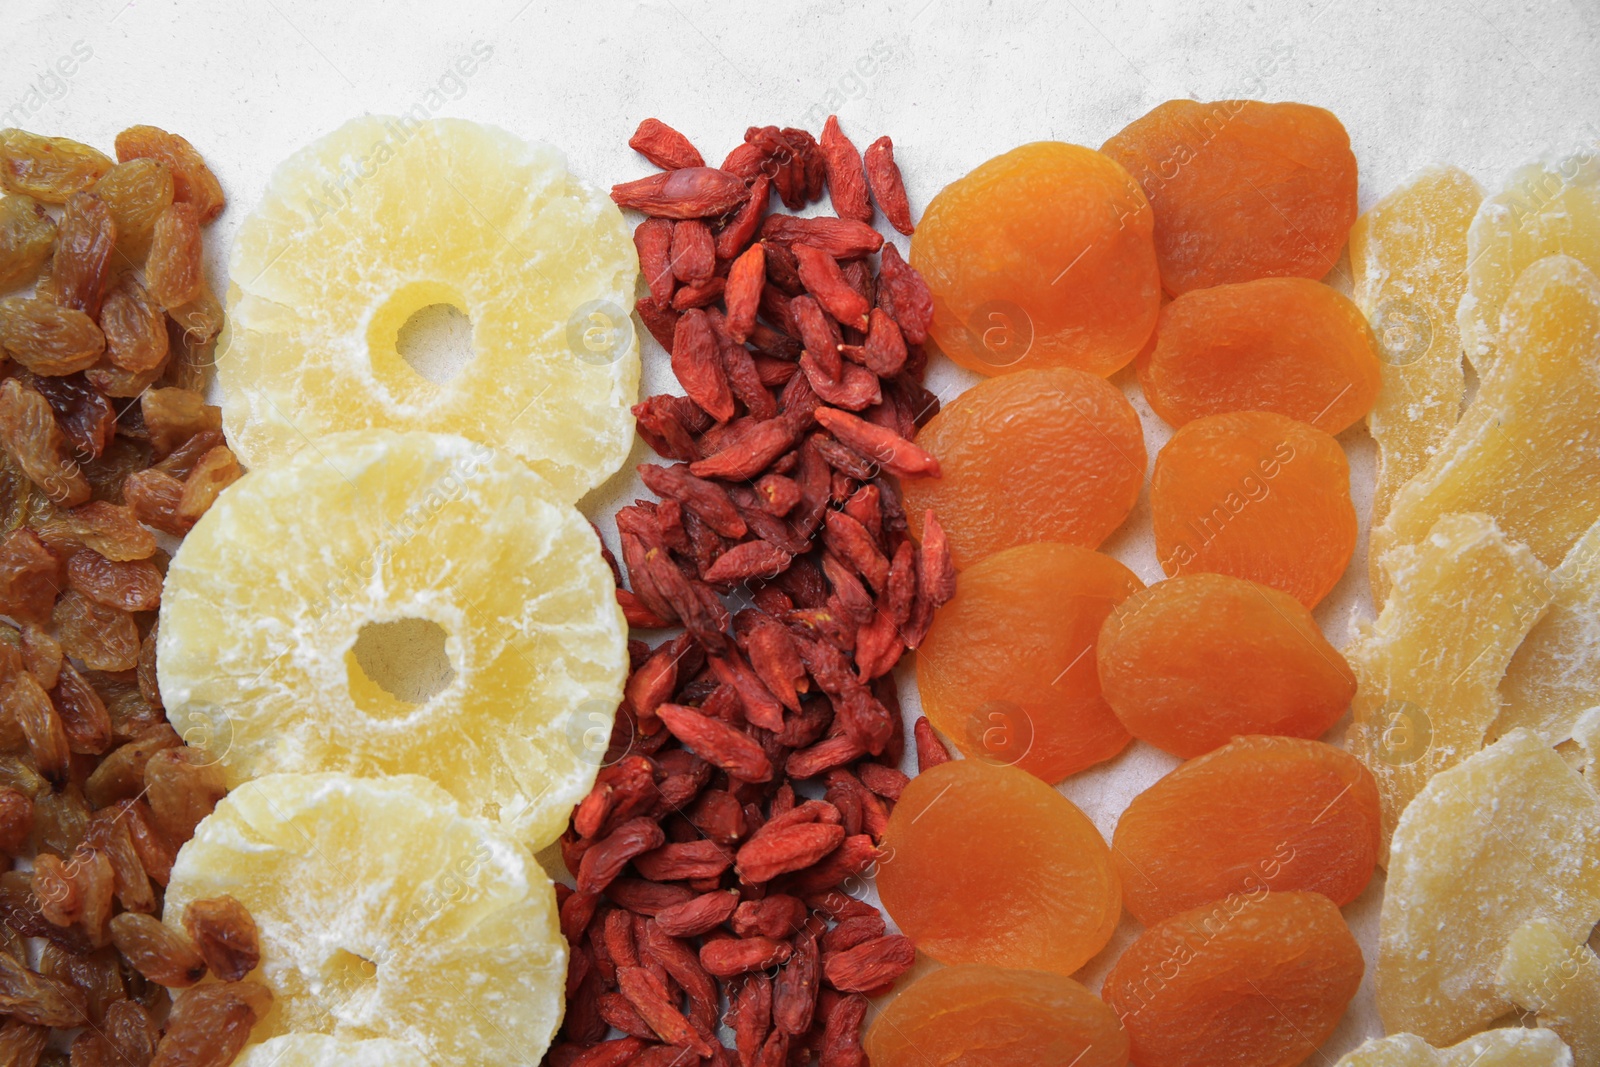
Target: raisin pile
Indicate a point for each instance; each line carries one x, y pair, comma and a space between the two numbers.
105, 440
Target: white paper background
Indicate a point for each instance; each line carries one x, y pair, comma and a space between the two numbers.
1485, 84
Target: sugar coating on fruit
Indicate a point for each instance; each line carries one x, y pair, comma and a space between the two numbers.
1257, 980
1408, 257
1170, 658
1546, 209
331, 266
987, 864
1510, 835
1255, 495
1007, 670
383, 911
1555, 675
1527, 449
1546, 971
1041, 257
1428, 669
1261, 813
979, 1016
390, 603
1290, 345
1241, 189
322, 1050
1509, 1047
1043, 455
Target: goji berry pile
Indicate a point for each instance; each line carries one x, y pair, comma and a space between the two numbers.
706, 871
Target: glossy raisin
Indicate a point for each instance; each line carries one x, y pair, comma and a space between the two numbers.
217, 470
81, 268
26, 703
193, 182
155, 497
48, 168
173, 269
85, 417
136, 192
102, 638
27, 233
184, 785
161, 953
172, 416
109, 529
30, 577
226, 936
131, 585
135, 328
83, 714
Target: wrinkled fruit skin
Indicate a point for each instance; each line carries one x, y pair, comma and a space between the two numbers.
1041, 257
1276, 813
1241, 189
988, 1017
1041, 455
1289, 345
1255, 495
1253, 981
986, 864
1008, 670
1171, 659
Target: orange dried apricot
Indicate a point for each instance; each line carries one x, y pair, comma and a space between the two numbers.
1008, 669
1171, 658
1241, 189
1041, 257
987, 864
1289, 345
988, 1017
1260, 813
1044, 455
1256, 495
1253, 981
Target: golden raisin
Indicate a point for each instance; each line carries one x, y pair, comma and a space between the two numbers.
47, 338
135, 328
193, 182
34, 440
82, 264
48, 168
136, 192
173, 270
27, 233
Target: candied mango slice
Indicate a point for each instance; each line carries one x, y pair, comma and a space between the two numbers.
1260, 813
1408, 255
1558, 976
1290, 345
1043, 455
1544, 210
1008, 669
1510, 835
1527, 449
987, 864
1555, 675
1257, 980
1170, 658
1041, 257
1428, 669
1511, 1047
987, 1017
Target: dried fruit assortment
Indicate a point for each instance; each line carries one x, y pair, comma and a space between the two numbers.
106, 437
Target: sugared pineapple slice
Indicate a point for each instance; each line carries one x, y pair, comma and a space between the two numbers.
1510, 1047
384, 217
388, 603
320, 1050
384, 912
1547, 971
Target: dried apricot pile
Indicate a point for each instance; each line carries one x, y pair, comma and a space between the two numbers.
1171, 658
1260, 813
1241, 189
1008, 668
978, 1016
1253, 981
1043, 455
1289, 345
1041, 257
987, 864
1257, 495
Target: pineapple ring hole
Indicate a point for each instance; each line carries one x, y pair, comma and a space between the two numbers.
436, 341
407, 660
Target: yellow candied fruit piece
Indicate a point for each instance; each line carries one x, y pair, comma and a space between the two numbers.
1511, 834
1527, 450
1558, 976
1428, 669
1497, 1048
1409, 258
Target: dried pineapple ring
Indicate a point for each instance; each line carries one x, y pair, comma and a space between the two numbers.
1509, 1047
390, 603
384, 912
320, 1050
362, 229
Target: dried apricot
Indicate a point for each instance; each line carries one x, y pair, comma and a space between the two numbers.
1171, 656
1289, 345
1041, 257
1044, 455
1259, 813
1241, 189
1252, 981
1008, 668
987, 864
27, 233
1256, 495
48, 168
987, 1017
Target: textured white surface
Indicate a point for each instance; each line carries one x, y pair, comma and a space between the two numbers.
1486, 85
